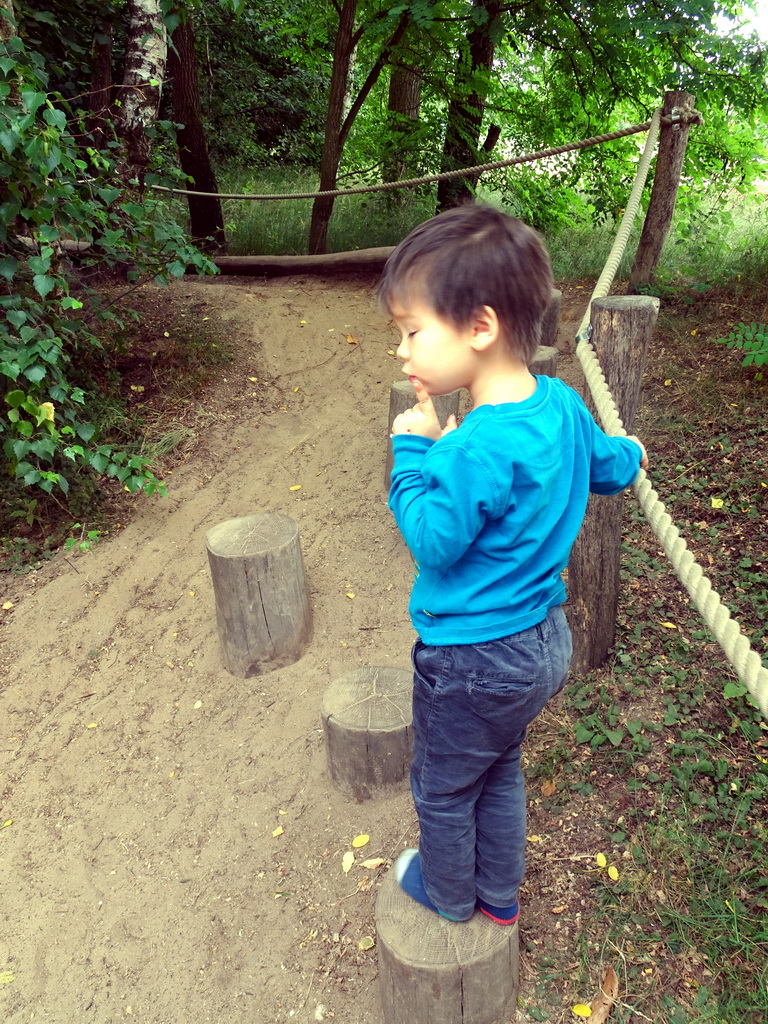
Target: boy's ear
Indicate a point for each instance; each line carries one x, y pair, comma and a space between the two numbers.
485, 328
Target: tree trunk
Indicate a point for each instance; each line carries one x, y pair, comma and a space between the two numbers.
331, 155
100, 96
403, 107
146, 52
205, 214
666, 181
336, 131
465, 113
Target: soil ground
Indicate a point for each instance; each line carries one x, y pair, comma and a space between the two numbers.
175, 851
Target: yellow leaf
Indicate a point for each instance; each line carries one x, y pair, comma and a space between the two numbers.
601, 861
667, 382
6, 977
7, 823
390, 352
668, 625
349, 594
581, 1010
302, 321
533, 839
7, 606
613, 873
351, 339
254, 379
368, 942
295, 390
717, 503
278, 831
282, 812
347, 861
296, 487
373, 862
92, 725
359, 841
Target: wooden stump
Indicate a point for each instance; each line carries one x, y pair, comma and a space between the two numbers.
262, 608
550, 325
367, 719
545, 361
434, 971
402, 397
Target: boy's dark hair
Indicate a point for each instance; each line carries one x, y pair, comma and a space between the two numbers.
469, 257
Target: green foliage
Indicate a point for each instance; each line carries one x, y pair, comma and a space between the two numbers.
54, 194
752, 340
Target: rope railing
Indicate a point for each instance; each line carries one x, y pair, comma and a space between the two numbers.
463, 172
746, 662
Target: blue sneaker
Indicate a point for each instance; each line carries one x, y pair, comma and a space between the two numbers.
408, 874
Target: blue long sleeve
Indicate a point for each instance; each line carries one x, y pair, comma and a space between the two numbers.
490, 511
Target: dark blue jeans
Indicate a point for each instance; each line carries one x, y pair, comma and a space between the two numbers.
471, 706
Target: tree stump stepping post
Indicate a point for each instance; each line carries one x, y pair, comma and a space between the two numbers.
434, 971
367, 718
262, 607
402, 397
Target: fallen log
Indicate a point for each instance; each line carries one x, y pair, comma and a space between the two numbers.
328, 264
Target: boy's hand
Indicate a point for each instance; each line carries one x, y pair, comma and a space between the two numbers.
422, 418
644, 463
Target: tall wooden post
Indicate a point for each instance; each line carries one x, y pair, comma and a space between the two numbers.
622, 326
666, 181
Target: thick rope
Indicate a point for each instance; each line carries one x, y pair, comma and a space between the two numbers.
745, 661
462, 172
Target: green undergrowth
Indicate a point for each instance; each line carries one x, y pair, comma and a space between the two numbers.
662, 753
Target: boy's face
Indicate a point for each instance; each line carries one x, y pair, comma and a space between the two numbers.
434, 350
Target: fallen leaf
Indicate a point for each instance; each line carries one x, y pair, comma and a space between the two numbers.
668, 625
581, 1010
7, 823
601, 861
254, 379
613, 873
558, 910
548, 789
8, 605
368, 942
359, 841
373, 862
197, 705
602, 1003
533, 839
351, 340
350, 594
6, 977
717, 503
347, 861
278, 831
92, 725
296, 487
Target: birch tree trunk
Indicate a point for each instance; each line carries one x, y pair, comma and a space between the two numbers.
146, 51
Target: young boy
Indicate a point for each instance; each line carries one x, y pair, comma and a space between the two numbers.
489, 510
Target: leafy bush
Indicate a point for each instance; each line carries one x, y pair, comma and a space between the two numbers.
54, 195
752, 340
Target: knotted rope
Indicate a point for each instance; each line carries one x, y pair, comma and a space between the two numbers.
745, 661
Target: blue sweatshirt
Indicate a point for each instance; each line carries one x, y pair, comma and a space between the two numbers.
490, 511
